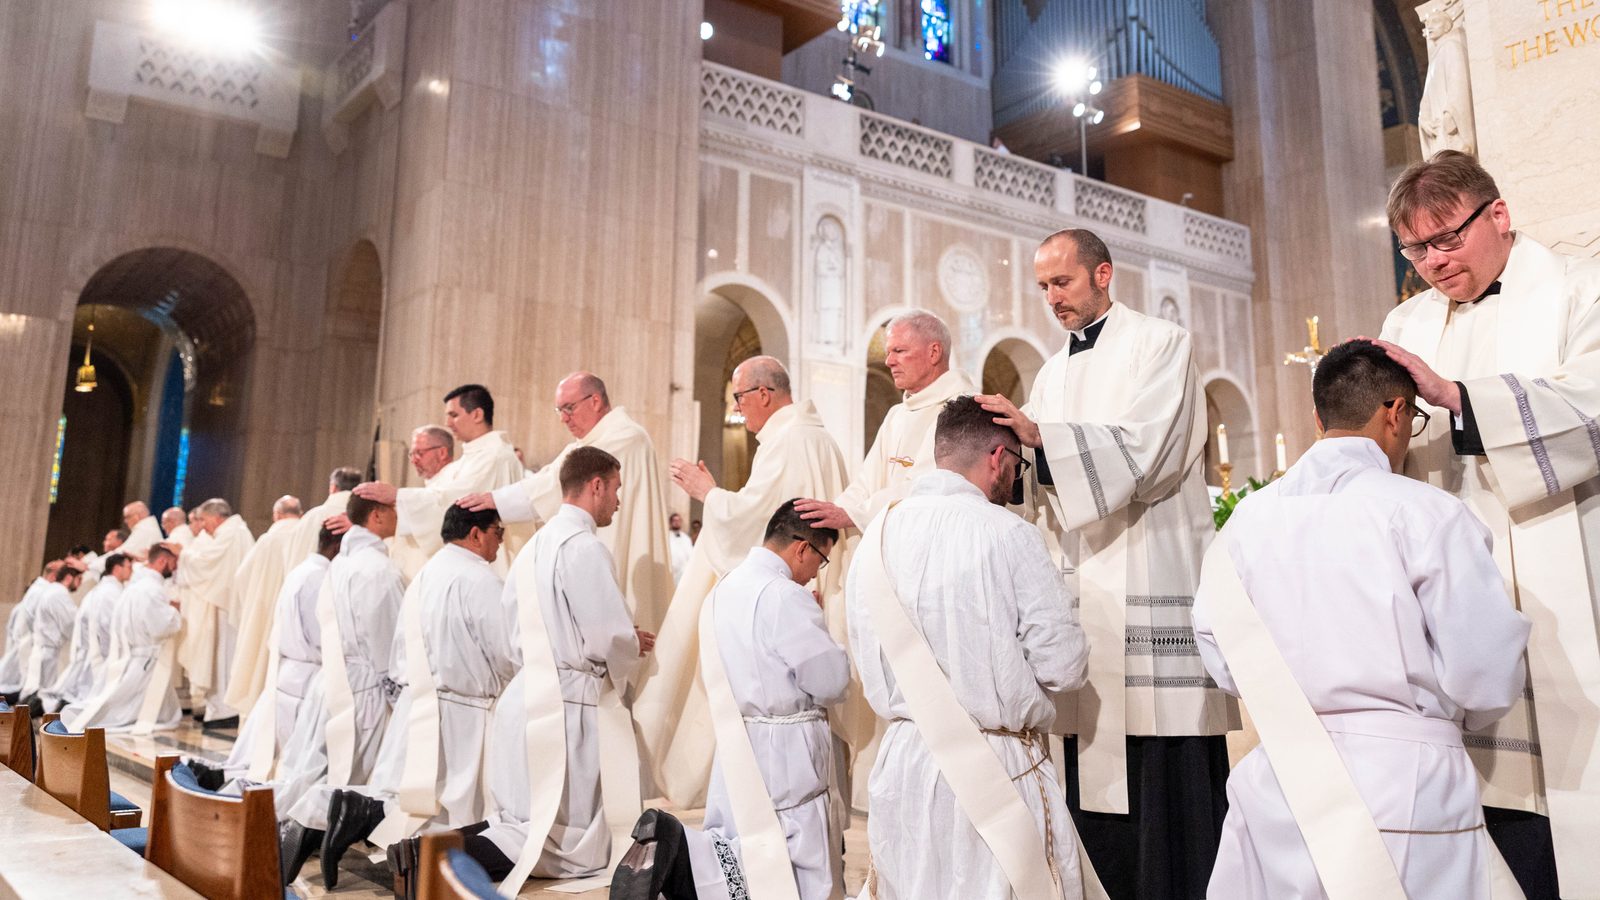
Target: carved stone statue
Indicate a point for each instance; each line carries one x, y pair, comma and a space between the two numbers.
829, 283
1445, 118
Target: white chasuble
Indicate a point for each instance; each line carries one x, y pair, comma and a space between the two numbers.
143, 536
1123, 426
637, 536
1360, 678
182, 536
1529, 358
208, 597
485, 463
256, 585
796, 458
303, 538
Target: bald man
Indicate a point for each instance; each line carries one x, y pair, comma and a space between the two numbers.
432, 448
256, 585
143, 531
796, 457
175, 522
209, 603
637, 536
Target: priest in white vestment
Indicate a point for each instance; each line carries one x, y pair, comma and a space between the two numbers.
53, 616
432, 448
144, 531
305, 540
680, 545
140, 671
1382, 596
91, 637
796, 457
1505, 349
19, 634
256, 585
360, 599
595, 649
1117, 422
430, 766
175, 525
208, 595
783, 669
636, 538
979, 586
488, 461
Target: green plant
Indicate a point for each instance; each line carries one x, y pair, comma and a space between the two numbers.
1223, 506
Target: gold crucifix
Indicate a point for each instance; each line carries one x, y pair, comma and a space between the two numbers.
1312, 354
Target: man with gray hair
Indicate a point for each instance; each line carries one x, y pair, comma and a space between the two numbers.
1505, 348
256, 585
208, 601
432, 448
796, 458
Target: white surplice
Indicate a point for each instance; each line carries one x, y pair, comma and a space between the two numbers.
979, 584
90, 643
1124, 429
142, 621
207, 595
781, 663
141, 537
53, 616
19, 639
256, 584
1529, 358
796, 458
682, 547
365, 588
637, 535
294, 616
1381, 595
591, 637
183, 536
486, 463
468, 637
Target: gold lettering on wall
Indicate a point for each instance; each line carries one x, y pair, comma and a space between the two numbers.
1576, 24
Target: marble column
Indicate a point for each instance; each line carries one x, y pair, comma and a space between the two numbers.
545, 212
1307, 177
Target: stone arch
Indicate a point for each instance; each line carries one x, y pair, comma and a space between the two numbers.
1010, 365
734, 320
352, 333
1227, 403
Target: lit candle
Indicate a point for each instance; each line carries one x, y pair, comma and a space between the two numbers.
1283, 458
1311, 331
1222, 444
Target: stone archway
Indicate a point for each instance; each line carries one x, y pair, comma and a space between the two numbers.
354, 319
1226, 404
1010, 367
880, 393
733, 322
176, 330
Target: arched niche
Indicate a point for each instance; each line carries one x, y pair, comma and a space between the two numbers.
1010, 367
1227, 404
733, 322
350, 360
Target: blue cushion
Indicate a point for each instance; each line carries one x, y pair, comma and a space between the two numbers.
4, 706
471, 875
120, 803
183, 777
58, 727
134, 839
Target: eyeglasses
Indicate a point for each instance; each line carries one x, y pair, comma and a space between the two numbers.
498, 531
1418, 415
422, 450
566, 409
1022, 463
824, 556
739, 395
1449, 240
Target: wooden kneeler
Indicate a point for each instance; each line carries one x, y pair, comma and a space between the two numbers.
72, 769
225, 847
16, 741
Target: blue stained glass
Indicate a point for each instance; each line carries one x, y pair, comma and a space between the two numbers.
183, 468
861, 15
936, 31
55, 465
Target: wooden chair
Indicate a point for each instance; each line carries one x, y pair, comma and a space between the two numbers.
446, 873
16, 740
72, 769
225, 847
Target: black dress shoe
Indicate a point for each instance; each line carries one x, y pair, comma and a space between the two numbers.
210, 777
403, 863
351, 817
229, 722
295, 845
657, 865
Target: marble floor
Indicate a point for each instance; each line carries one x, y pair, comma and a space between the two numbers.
132, 761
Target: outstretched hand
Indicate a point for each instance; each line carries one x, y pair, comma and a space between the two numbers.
1006, 413
378, 492
695, 479
338, 523
822, 514
477, 502
1432, 388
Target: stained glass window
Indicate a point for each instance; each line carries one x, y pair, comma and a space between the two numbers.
936, 31
183, 468
55, 465
860, 16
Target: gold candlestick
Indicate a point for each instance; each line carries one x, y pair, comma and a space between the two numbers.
1226, 471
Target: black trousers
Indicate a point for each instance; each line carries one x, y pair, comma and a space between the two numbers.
1524, 840
484, 851
1164, 848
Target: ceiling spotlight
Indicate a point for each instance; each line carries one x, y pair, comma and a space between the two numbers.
212, 24
1099, 116
1072, 75
1079, 109
706, 31
1094, 86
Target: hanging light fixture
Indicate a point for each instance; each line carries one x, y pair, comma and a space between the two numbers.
86, 380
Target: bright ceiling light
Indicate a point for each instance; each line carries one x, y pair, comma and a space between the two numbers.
217, 25
1073, 75
1078, 110
706, 31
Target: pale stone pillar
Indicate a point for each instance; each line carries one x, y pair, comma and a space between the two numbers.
1307, 177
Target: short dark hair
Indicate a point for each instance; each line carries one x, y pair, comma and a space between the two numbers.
584, 464
1353, 380
787, 524
159, 552
80, 550
471, 397
113, 560
361, 509
122, 533
327, 539
966, 431
66, 570
345, 478
1090, 249
459, 522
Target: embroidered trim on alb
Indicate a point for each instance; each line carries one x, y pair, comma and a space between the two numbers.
1087, 458
731, 872
1589, 423
1535, 441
